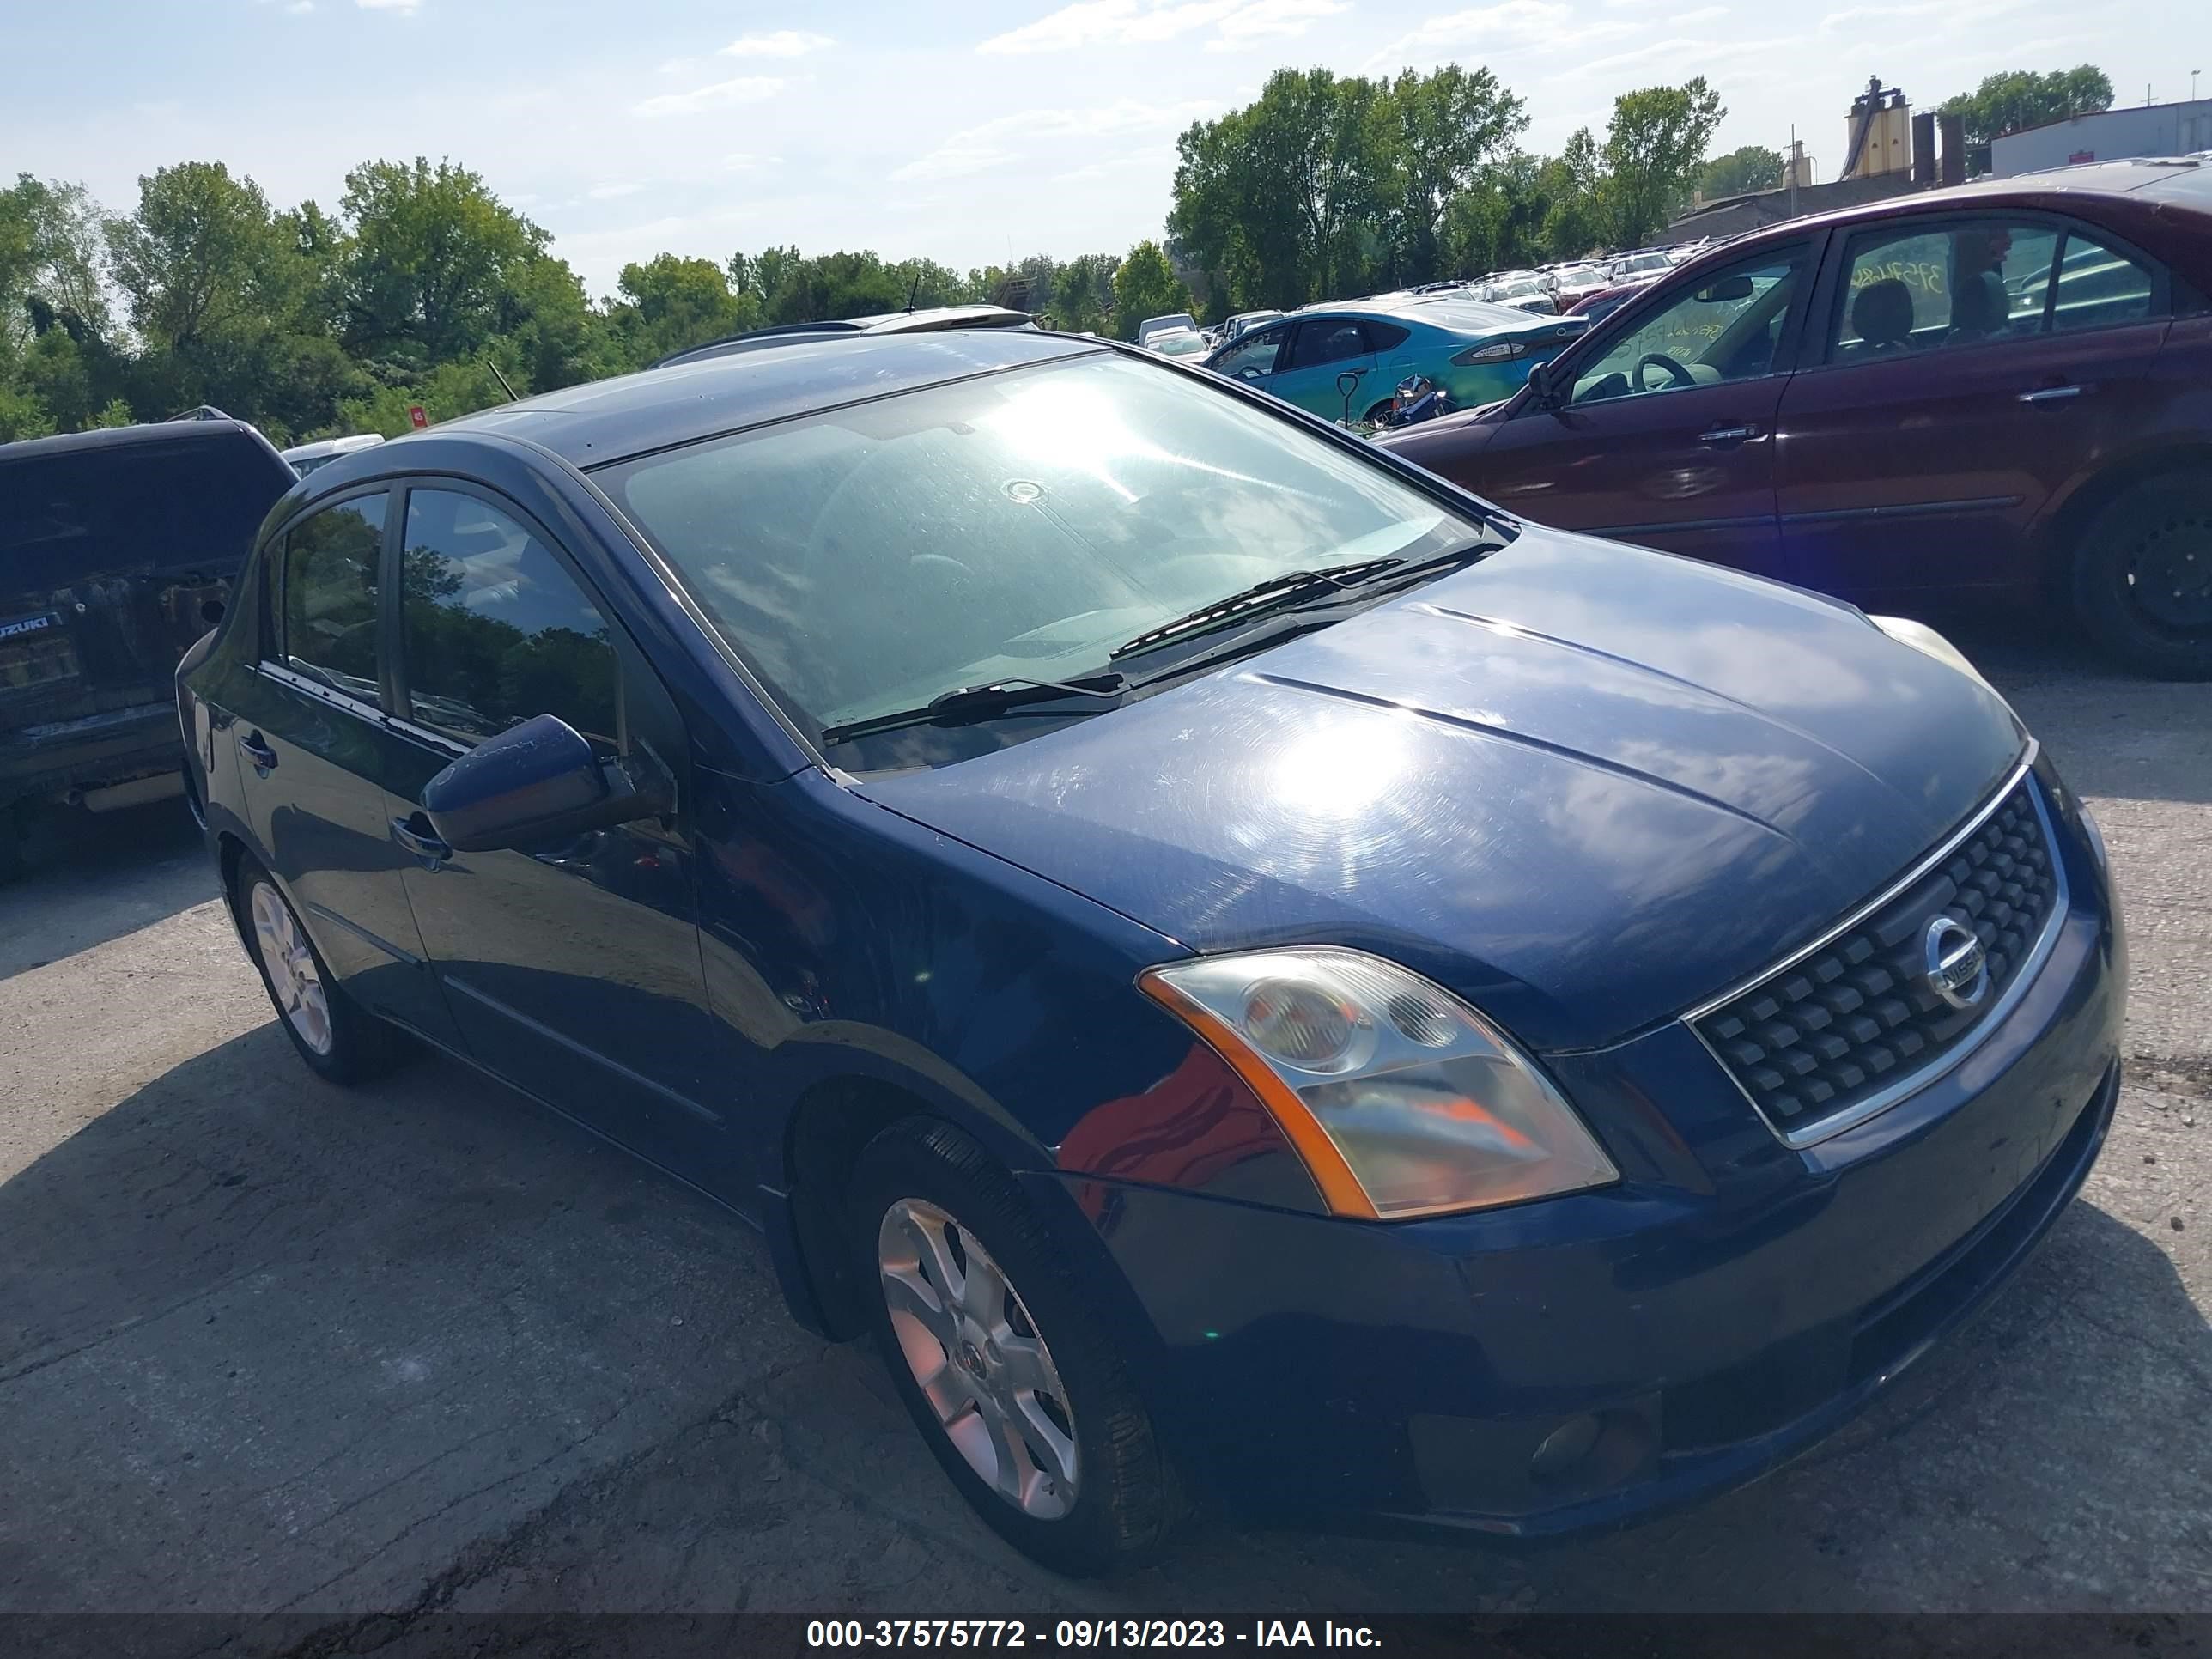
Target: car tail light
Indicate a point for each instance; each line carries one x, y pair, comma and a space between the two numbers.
1498, 351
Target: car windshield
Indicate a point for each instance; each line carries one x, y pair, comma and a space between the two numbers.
1018, 524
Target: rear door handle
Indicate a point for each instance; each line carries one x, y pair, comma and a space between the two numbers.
2052, 394
1727, 434
257, 751
423, 845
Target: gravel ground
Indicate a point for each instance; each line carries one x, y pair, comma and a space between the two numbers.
269, 1348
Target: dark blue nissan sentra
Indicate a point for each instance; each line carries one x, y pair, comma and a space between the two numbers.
1248, 971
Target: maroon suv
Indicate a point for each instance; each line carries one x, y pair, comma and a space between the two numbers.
2004, 390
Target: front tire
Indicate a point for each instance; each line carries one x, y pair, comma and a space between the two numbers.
340, 1040
993, 1344
2142, 577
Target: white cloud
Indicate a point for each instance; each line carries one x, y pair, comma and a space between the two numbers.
1264, 19
1112, 23
406, 6
994, 143
1683, 19
301, 7
1153, 155
781, 43
612, 193
720, 95
1678, 51
740, 162
1483, 28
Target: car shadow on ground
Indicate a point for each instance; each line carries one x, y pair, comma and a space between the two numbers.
96, 876
271, 1345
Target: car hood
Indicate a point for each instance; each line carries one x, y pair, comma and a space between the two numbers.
1584, 786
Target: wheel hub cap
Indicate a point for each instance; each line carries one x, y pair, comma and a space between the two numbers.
293, 976
978, 1358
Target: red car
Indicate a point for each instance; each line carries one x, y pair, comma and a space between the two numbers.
2001, 391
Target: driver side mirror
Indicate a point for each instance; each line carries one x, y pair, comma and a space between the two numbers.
1548, 384
1727, 291
540, 781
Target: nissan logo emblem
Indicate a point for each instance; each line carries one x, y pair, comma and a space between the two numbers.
1958, 967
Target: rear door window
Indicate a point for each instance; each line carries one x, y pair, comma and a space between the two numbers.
330, 596
1971, 282
1385, 337
177, 506
2098, 288
1320, 343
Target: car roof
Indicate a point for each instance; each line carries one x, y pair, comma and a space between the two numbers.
2051, 189
195, 429
1451, 310
603, 421
920, 321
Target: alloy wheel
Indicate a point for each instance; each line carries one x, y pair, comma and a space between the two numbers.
978, 1358
292, 973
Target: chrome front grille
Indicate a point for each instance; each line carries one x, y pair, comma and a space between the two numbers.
1853, 1024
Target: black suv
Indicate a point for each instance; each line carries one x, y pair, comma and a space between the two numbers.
118, 549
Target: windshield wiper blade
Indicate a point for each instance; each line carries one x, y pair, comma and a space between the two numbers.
1289, 588
1401, 568
972, 703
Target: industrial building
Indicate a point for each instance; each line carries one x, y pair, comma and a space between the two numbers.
2111, 135
1889, 150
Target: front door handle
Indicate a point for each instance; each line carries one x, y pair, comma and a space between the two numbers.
422, 843
253, 747
2052, 394
1727, 434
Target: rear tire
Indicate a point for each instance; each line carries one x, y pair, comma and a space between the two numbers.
340, 1040
2142, 577
985, 1305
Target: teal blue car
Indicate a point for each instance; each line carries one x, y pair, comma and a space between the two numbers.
1477, 353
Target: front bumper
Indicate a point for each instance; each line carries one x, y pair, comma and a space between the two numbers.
1727, 1304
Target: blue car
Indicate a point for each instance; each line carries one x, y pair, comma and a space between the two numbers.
1480, 353
1244, 969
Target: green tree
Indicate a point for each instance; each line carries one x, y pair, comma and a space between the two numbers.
1574, 185
52, 255
2013, 99
429, 260
1145, 285
1655, 150
1448, 128
675, 303
201, 257
1752, 167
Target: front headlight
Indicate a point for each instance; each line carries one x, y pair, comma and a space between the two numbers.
1926, 640
1401, 1099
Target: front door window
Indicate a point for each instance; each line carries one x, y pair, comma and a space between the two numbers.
1727, 327
1253, 355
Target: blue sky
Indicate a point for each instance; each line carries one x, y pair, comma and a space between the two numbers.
627, 127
